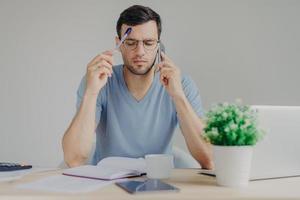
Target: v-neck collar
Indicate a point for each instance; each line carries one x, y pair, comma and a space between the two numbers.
129, 94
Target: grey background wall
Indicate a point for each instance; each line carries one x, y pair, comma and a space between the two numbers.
232, 49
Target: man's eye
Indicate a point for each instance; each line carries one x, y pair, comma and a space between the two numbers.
130, 43
149, 43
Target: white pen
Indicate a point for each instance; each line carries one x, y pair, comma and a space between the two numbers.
123, 38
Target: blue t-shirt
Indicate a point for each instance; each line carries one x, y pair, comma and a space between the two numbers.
131, 128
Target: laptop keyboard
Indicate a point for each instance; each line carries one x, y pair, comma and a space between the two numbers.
6, 166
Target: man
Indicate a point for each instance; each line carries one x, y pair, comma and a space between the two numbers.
134, 108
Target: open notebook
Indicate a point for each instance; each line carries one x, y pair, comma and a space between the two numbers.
110, 168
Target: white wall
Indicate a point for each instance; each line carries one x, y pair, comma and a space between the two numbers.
246, 49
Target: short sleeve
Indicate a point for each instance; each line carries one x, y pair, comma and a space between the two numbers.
192, 93
80, 93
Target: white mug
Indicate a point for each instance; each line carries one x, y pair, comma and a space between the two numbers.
159, 166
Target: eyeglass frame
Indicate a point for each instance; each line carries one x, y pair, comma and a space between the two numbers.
143, 41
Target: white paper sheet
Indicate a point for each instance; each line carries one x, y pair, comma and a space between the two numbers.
13, 175
65, 184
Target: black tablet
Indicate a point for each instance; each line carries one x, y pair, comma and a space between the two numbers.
151, 185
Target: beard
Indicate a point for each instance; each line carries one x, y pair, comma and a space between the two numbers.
138, 69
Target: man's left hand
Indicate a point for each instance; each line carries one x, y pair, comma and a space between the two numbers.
170, 77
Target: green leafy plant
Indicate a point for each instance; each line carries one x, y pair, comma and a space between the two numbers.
232, 125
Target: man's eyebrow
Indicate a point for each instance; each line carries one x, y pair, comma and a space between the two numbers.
129, 38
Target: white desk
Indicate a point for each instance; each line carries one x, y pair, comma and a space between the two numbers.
191, 184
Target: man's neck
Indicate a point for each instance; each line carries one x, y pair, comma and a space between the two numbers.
138, 85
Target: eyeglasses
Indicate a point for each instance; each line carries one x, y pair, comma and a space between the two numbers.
149, 44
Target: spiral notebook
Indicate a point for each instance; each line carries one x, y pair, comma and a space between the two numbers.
110, 168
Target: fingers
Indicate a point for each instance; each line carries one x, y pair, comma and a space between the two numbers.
163, 64
103, 72
165, 75
109, 52
165, 57
106, 55
166, 62
102, 65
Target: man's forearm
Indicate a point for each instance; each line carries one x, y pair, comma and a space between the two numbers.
78, 139
192, 127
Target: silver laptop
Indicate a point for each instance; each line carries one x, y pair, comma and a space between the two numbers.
278, 154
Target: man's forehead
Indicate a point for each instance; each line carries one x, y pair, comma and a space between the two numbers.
142, 31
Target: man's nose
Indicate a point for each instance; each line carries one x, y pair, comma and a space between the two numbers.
140, 49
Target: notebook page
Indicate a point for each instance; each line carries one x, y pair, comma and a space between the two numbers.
137, 164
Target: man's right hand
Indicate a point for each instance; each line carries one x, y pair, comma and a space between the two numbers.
98, 71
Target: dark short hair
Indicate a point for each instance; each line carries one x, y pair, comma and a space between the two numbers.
136, 15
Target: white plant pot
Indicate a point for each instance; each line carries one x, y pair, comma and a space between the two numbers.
232, 165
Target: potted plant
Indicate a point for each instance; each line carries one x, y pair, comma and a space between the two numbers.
233, 130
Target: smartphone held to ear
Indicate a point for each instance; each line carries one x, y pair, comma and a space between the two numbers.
160, 49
